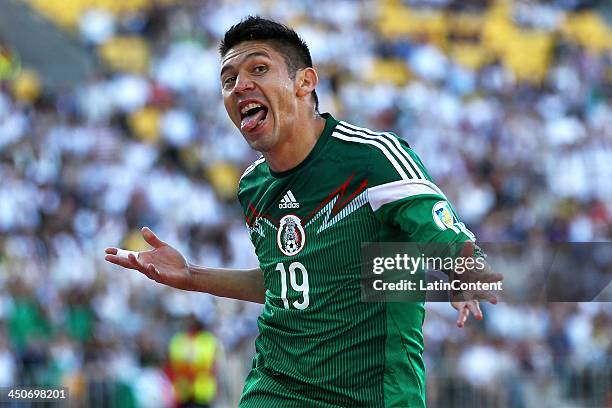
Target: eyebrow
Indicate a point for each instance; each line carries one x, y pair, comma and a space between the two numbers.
248, 56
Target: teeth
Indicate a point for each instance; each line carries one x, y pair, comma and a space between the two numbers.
249, 107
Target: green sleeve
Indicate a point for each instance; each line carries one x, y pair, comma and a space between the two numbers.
404, 196
425, 218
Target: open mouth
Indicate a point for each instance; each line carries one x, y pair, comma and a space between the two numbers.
252, 116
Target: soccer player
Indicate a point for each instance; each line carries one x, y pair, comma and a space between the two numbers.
320, 189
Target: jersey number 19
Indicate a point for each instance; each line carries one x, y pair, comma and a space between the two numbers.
302, 287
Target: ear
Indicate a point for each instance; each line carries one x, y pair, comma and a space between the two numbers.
306, 81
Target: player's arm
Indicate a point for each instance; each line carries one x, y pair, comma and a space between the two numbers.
403, 196
430, 221
241, 284
166, 265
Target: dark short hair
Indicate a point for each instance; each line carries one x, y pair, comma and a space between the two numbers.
283, 39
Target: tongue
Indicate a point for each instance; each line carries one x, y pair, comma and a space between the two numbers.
250, 122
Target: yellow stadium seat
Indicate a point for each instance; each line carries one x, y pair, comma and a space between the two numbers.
392, 71
500, 9
470, 55
224, 178
465, 25
65, 13
144, 123
589, 30
127, 53
497, 32
26, 86
399, 21
528, 55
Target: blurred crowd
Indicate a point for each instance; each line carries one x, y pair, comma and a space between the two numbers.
507, 103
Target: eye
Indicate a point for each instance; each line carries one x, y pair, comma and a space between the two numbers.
228, 81
260, 69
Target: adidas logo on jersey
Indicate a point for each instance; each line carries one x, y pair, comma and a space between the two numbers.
289, 201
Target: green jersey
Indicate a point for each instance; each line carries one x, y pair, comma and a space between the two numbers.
319, 344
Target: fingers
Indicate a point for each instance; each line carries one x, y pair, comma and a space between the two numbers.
153, 273
119, 260
462, 316
131, 262
491, 298
121, 253
464, 311
481, 276
139, 266
485, 295
151, 238
491, 277
149, 270
468, 249
474, 307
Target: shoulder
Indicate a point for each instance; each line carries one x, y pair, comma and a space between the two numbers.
251, 168
389, 156
251, 176
367, 139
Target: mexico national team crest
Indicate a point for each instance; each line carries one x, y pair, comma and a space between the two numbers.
290, 237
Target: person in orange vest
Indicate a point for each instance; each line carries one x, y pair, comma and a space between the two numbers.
192, 356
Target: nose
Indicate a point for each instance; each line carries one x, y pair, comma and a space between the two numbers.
243, 83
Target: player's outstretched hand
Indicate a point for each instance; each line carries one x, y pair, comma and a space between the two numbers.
468, 301
163, 263
463, 311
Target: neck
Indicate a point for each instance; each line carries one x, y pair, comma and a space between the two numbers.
297, 144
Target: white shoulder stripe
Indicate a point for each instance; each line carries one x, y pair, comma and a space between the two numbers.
396, 190
252, 166
394, 140
407, 155
393, 149
382, 148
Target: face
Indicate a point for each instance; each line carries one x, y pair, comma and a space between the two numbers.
258, 93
